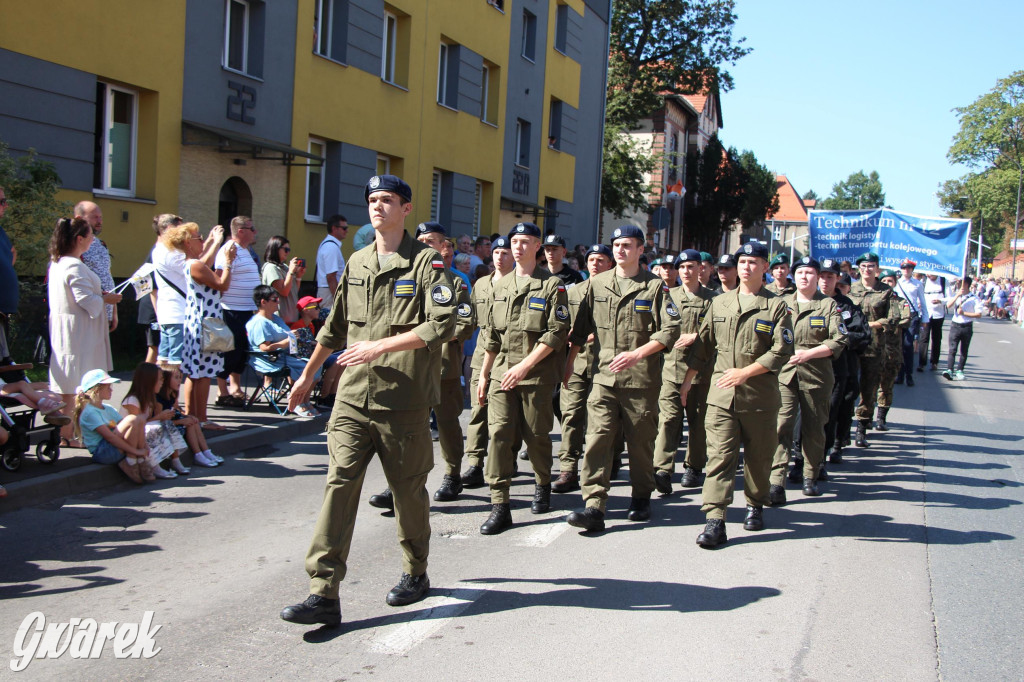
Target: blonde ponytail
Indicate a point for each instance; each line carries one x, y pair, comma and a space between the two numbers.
82, 398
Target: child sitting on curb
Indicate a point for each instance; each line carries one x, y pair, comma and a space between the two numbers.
164, 443
183, 424
109, 438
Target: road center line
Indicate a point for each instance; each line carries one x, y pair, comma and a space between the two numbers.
399, 639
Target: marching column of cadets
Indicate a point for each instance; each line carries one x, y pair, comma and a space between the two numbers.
745, 365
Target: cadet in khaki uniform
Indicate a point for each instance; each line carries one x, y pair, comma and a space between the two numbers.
779, 268
632, 320
805, 383
392, 313
577, 382
482, 298
748, 336
875, 300
900, 316
692, 300
527, 331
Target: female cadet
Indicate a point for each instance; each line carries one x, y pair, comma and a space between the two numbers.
805, 382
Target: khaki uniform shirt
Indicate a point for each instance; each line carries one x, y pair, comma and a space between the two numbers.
899, 319
875, 304
482, 298
524, 314
581, 365
733, 337
624, 314
693, 308
815, 322
465, 323
783, 291
411, 293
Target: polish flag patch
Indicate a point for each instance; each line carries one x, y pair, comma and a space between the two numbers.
437, 264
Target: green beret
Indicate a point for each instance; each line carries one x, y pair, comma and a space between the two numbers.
780, 259
869, 257
889, 273
706, 257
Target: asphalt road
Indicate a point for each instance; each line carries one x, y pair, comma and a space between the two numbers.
908, 568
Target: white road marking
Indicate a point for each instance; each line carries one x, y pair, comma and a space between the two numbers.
544, 535
399, 639
1004, 341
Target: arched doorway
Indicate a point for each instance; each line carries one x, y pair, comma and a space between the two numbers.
235, 199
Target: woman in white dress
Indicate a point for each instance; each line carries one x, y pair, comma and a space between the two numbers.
79, 331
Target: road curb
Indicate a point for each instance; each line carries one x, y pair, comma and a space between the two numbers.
90, 477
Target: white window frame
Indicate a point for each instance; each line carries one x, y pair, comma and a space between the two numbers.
383, 164
324, 27
108, 113
323, 185
485, 91
519, 144
435, 196
388, 53
442, 73
478, 198
526, 35
245, 36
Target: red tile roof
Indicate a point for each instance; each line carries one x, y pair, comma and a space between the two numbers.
791, 206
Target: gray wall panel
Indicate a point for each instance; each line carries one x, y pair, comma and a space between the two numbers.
355, 167
471, 67
525, 97
463, 195
570, 127
366, 35
574, 36
600, 8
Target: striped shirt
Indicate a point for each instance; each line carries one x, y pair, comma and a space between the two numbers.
245, 277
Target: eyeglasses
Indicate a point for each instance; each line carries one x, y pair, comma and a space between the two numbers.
248, 227
273, 299
287, 249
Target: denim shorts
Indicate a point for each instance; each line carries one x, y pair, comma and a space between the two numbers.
105, 453
172, 343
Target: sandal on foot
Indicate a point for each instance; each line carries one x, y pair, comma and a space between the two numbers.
212, 426
57, 419
47, 405
65, 443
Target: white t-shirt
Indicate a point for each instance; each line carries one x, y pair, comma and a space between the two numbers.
935, 289
969, 304
170, 264
245, 277
328, 259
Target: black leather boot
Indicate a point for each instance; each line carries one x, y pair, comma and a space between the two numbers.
811, 488
663, 482
880, 424
713, 534
450, 488
409, 590
541, 499
499, 520
777, 495
589, 519
796, 473
473, 477
755, 518
861, 439
639, 509
835, 456
314, 610
691, 477
384, 500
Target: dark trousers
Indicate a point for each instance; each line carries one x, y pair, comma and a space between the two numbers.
959, 337
910, 335
836, 400
935, 339
234, 360
845, 418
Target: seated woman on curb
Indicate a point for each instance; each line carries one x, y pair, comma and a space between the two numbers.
272, 343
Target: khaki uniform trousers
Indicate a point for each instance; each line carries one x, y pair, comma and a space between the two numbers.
812, 407
524, 410
670, 427
870, 378
611, 411
890, 370
402, 440
574, 422
449, 430
476, 430
727, 431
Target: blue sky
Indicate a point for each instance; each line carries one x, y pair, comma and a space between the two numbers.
836, 87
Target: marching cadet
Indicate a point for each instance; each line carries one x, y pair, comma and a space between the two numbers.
692, 301
483, 299
875, 301
726, 269
665, 269
844, 424
895, 355
779, 268
748, 336
554, 256
805, 382
845, 368
384, 397
632, 320
577, 382
524, 361
707, 270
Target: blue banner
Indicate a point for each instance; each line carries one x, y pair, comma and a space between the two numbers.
937, 245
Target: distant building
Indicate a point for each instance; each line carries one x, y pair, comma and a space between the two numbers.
784, 231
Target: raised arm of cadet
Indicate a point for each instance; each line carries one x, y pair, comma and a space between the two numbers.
666, 334
832, 346
437, 327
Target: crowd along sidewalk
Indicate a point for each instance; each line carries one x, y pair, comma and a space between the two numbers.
73, 473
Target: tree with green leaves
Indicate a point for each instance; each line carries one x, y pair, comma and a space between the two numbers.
987, 199
658, 46
811, 195
859, 191
760, 190
31, 185
991, 143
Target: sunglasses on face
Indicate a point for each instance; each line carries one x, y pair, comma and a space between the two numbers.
273, 299
287, 249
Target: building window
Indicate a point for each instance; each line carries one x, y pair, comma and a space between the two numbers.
673, 157
390, 47
116, 137
383, 165
529, 35
243, 37
497, 4
561, 28
555, 124
315, 182
522, 143
478, 198
435, 196
489, 93
448, 76
330, 29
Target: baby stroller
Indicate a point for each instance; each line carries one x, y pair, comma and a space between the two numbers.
22, 422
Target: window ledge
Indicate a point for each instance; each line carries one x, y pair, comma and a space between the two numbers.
100, 194
527, 59
560, 51
448, 107
243, 74
394, 85
329, 59
488, 123
519, 165
310, 220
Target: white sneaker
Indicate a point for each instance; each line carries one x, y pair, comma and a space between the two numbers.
160, 472
179, 468
216, 458
201, 460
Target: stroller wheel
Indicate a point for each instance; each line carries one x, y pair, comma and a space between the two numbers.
11, 460
47, 452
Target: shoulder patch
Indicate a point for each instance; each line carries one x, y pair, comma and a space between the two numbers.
787, 335
464, 310
561, 312
441, 293
561, 287
437, 264
846, 314
671, 309
842, 329
764, 326
536, 303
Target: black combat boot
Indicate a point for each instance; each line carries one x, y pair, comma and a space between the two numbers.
450, 488
663, 482
541, 499
796, 472
861, 439
409, 590
811, 488
639, 509
880, 424
384, 500
567, 482
755, 518
499, 520
835, 456
713, 534
822, 473
777, 496
315, 610
473, 477
591, 519
691, 477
